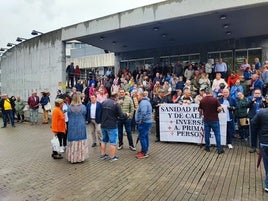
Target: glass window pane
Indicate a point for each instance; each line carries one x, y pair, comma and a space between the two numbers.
227, 57
195, 58
239, 56
252, 54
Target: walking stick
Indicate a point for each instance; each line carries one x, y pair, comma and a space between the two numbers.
202, 137
259, 159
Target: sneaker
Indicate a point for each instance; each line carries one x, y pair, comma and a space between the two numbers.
140, 156
253, 150
61, 149
220, 151
103, 157
94, 145
207, 149
132, 148
120, 147
230, 146
115, 158
146, 155
139, 153
266, 189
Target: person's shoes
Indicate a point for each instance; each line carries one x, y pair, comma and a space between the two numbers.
120, 147
157, 140
139, 153
220, 151
266, 189
115, 158
253, 150
230, 146
207, 149
140, 156
13, 126
146, 155
57, 157
132, 148
61, 149
103, 157
3, 126
94, 145
45, 123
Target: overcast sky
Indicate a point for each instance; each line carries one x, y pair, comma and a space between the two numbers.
19, 17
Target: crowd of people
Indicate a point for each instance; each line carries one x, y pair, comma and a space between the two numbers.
123, 103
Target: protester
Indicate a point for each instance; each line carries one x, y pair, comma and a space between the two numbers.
157, 101
7, 106
255, 104
45, 100
242, 116
58, 126
19, 106
210, 107
110, 113
144, 120
127, 106
77, 146
227, 100
260, 122
33, 102
93, 118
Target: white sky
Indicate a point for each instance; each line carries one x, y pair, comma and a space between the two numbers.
19, 17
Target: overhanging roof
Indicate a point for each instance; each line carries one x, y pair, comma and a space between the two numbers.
204, 27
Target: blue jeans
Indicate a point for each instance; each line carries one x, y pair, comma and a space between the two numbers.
144, 136
127, 124
230, 131
109, 135
264, 152
215, 126
8, 114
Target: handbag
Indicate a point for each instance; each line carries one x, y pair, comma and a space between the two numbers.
244, 121
55, 144
47, 106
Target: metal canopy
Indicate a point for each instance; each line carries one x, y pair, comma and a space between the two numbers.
239, 23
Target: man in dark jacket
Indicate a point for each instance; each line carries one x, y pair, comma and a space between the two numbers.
110, 113
260, 122
8, 106
157, 101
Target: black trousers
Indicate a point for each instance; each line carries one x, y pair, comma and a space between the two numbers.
62, 139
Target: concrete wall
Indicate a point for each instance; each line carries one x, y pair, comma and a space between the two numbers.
36, 64
152, 13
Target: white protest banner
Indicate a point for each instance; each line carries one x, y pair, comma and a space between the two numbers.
183, 123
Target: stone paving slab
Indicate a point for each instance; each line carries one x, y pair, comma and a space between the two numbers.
174, 171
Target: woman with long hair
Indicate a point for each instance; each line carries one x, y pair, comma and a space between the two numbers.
77, 147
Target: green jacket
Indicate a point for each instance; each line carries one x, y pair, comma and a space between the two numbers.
242, 108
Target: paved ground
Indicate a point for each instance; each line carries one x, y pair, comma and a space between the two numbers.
174, 171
